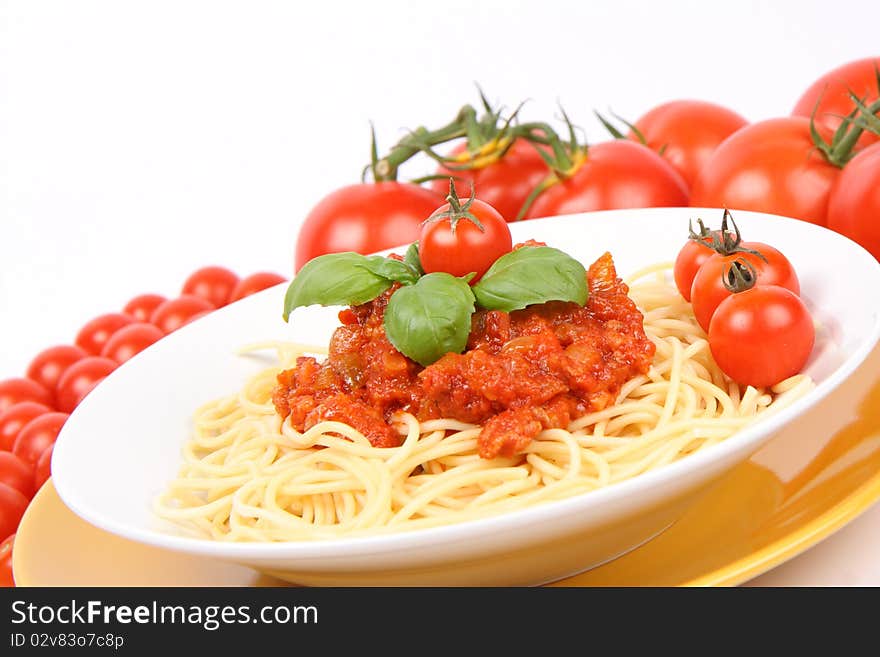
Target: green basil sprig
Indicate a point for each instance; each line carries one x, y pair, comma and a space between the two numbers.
530, 275
431, 318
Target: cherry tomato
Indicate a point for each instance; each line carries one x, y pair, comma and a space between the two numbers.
772, 166
451, 242
12, 508
13, 391
688, 262
6, 579
174, 313
37, 435
504, 183
79, 380
688, 131
708, 289
364, 218
15, 417
616, 174
96, 332
854, 206
43, 468
48, 366
831, 92
255, 283
142, 306
17, 474
213, 284
131, 340
761, 336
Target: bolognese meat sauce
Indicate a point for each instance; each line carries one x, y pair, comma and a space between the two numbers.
522, 372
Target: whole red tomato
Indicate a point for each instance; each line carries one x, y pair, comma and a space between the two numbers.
174, 313
96, 332
17, 474
12, 508
15, 417
829, 95
364, 218
688, 131
453, 241
131, 340
142, 306
255, 283
854, 206
13, 391
772, 166
213, 284
80, 378
6, 578
48, 366
615, 174
504, 183
43, 467
37, 435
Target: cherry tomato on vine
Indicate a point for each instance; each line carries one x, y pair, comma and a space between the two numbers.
829, 95
142, 306
688, 132
80, 379
48, 366
15, 417
503, 182
43, 468
6, 579
17, 474
37, 435
462, 239
708, 289
615, 174
255, 283
364, 218
13, 391
131, 340
761, 336
772, 166
213, 284
95, 333
174, 313
12, 508
854, 206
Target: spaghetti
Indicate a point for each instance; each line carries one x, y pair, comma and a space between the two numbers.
248, 476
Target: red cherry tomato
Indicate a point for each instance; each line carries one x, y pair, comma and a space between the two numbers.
761, 336
708, 289
17, 474
142, 306
12, 508
15, 417
688, 131
255, 283
616, 174
504, 183
48, 366
213, 284
688, 262
43, 468
13, 391
6, 579
37, 435
93, 336
772, 166
854, 206
131, 340
364, 218
464, 248
174, 313
831, 92
80, 379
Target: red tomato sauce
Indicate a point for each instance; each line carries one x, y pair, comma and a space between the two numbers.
522, 372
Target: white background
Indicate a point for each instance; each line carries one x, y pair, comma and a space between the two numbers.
142, 140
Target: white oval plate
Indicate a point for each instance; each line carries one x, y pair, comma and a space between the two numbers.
122, 445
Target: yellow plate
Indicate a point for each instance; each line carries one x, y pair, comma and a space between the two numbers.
806, 483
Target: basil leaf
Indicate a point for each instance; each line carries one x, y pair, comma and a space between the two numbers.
529, 275
393, 270
413, 259
334, 279
431, 318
